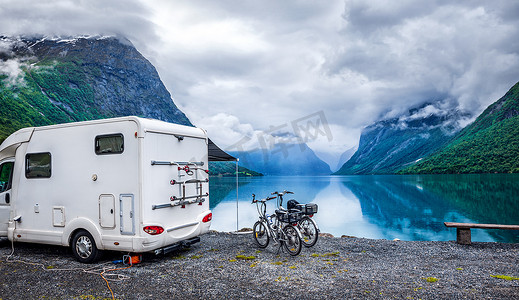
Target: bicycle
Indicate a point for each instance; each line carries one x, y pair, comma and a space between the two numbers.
271, 227
306, 225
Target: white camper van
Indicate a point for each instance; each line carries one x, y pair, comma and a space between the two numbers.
125, 184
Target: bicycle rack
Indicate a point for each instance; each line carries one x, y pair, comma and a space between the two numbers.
190, 169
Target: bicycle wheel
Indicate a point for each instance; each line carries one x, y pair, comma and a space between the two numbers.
309, 231
292, 241
260, 234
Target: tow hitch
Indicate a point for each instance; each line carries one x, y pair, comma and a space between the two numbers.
177, 246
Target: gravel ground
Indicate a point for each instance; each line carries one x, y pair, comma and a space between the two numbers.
230, 266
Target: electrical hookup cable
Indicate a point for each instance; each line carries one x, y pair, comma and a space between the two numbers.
116, 269
100, 270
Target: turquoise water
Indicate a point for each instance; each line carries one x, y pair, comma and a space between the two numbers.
410, 207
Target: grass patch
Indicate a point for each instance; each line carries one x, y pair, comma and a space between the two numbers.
243, 257
431, 279
336, 253
281, 279
505, 277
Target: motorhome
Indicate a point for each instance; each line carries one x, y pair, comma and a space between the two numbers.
125, 184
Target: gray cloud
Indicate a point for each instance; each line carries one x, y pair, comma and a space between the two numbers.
12, 69
433, 49
76, 17
263, 63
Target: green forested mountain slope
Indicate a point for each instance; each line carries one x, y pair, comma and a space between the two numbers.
48, 81
388, 146
489, 145
228, 168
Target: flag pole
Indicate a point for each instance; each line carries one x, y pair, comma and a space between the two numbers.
237, 159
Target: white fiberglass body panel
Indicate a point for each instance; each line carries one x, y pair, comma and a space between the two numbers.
98, 176
175, 183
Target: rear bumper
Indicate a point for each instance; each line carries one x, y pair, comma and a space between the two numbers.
172, 237
177, 246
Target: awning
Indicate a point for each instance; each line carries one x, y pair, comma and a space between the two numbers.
217, 154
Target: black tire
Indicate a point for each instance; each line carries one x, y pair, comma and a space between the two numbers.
309, 232
261, 236
292, 243
84, 247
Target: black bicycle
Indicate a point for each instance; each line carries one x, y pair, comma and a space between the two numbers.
277, 227
306, 225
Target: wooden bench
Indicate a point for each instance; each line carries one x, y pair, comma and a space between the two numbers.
463, 230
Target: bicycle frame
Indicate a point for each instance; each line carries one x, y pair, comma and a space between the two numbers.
277, 233
298, 224
263, 217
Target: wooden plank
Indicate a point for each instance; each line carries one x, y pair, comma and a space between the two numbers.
482, 226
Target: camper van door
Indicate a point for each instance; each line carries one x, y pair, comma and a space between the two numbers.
6, 177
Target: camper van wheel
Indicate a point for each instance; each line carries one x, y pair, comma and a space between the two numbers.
84, 247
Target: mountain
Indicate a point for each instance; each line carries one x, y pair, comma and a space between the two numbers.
52, 80
489, 145
284, 159
228, 168
46, 81
345, 156
389, 145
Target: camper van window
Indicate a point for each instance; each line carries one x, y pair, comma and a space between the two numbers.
37, 165
109, 144
6, 174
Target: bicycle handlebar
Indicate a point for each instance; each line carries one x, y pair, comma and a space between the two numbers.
282, 193
261, 200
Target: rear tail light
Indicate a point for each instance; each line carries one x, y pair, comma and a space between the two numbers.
153, 230
207, 218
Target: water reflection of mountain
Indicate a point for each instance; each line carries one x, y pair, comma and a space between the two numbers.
220, 187
417, 206
395, 205
485, 198
305, 188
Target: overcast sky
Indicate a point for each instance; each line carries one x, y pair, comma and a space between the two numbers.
237, 68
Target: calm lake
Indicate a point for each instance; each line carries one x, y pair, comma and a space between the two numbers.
406, 207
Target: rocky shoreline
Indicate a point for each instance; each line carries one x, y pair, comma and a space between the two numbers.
225, 265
